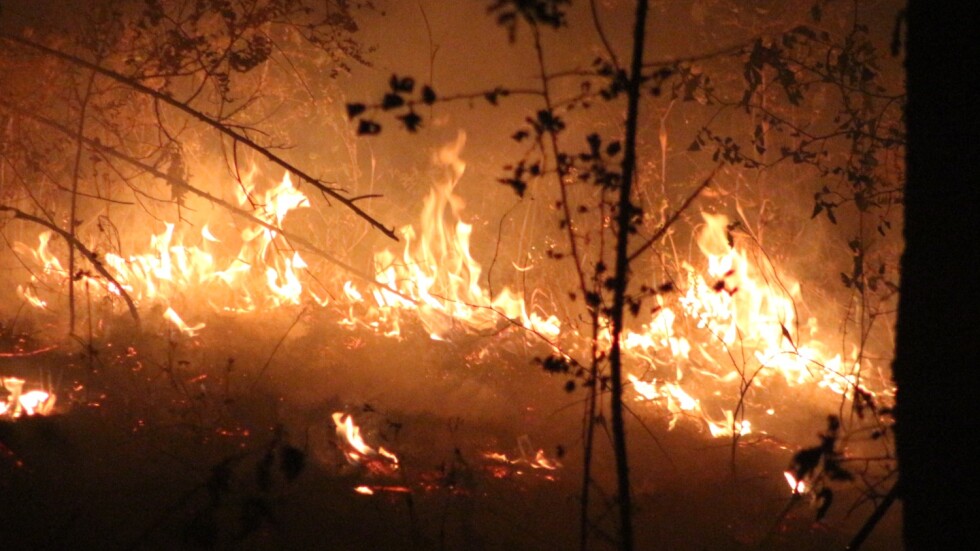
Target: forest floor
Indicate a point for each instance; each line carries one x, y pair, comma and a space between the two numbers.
228, 440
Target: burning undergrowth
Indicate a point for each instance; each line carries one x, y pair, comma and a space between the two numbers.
415, 392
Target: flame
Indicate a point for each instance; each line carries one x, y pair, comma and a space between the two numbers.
18, 402
264, 273
372, 490
188, 330
797, 486
739, 309
436, 277
358, 452
527, 455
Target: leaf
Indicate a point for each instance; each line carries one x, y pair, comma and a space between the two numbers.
613, 148
817, 209
392, 101
787, 335
406, 84
519, 186
355, 109
554, 364
428, 95
411, 120
520, 135
805, 461
368, 128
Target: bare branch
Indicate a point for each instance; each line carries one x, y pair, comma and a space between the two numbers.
86, 252
204, 118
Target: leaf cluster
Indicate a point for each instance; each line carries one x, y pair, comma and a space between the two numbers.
545, 13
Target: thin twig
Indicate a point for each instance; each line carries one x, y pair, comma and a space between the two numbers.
206, 119
275, 349
873, 520
673, 218
88, 254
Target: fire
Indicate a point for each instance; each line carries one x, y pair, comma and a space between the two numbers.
798, 487
734, 326
174, 271
258, 276
372, 490
526, 456
358, 452
18, 402
436, 277
741, 309
188, 330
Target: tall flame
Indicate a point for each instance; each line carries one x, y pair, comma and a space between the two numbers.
436, 276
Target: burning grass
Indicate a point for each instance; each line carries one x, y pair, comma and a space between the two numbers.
409, 402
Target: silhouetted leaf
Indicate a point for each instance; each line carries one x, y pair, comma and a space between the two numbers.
519, 186
411, 120
406, 84
392, 101
368, 128
428, 95
554, 364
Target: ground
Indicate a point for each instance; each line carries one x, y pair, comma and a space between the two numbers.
226, 439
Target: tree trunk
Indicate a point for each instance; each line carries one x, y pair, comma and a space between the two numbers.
936, 334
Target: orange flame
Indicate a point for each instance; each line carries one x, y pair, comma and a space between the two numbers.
358, 452
18, 403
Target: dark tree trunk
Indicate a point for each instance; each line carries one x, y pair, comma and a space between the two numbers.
937, 338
